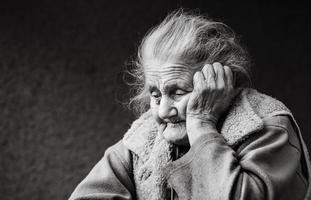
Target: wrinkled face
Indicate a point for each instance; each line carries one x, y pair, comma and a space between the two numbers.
170, 86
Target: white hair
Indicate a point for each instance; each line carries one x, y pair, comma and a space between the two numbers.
189, 39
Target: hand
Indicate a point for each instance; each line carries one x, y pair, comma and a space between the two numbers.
212, 93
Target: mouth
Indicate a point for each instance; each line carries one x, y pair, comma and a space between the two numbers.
176, 124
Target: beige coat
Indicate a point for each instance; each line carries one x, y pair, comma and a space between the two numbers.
259, 154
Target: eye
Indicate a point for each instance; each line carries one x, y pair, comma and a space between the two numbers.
179, 92
155, 94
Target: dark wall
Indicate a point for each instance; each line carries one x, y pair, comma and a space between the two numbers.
61, 88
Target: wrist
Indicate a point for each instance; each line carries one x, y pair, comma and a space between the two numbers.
202, 120
198, 128
205, 117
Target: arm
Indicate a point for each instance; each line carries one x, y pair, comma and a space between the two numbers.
265, 166
110, 178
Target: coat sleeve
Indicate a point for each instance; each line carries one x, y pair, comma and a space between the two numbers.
111, 177
266, 166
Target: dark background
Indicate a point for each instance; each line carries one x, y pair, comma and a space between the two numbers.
61, 87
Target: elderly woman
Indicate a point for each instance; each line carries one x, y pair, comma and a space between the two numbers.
204, 133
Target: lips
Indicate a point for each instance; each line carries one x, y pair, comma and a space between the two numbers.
176, 125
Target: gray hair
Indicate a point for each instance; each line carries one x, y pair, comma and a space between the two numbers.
192, 40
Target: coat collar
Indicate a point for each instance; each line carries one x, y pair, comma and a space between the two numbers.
242, 120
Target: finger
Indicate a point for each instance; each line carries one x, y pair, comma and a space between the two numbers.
229, 77
198, 80
208, 72
209, 75
220, 75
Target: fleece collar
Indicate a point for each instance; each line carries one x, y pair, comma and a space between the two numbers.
243, 120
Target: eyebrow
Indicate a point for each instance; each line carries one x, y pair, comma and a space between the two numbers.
152, 88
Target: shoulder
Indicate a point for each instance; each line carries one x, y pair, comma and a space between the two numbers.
118, 149
283, 124
247, 113
117, 154
264, 105
257, 115
274, 115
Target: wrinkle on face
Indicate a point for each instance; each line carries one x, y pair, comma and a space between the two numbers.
162, 77
166, 81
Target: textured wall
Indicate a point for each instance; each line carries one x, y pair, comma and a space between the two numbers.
61, 81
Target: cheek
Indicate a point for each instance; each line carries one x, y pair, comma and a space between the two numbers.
181, 106
154, 110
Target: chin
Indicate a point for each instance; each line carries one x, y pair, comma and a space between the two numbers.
176, 134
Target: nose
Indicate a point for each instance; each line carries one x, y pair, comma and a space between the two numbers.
167, 109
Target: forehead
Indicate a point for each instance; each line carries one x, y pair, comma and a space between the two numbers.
165, 74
